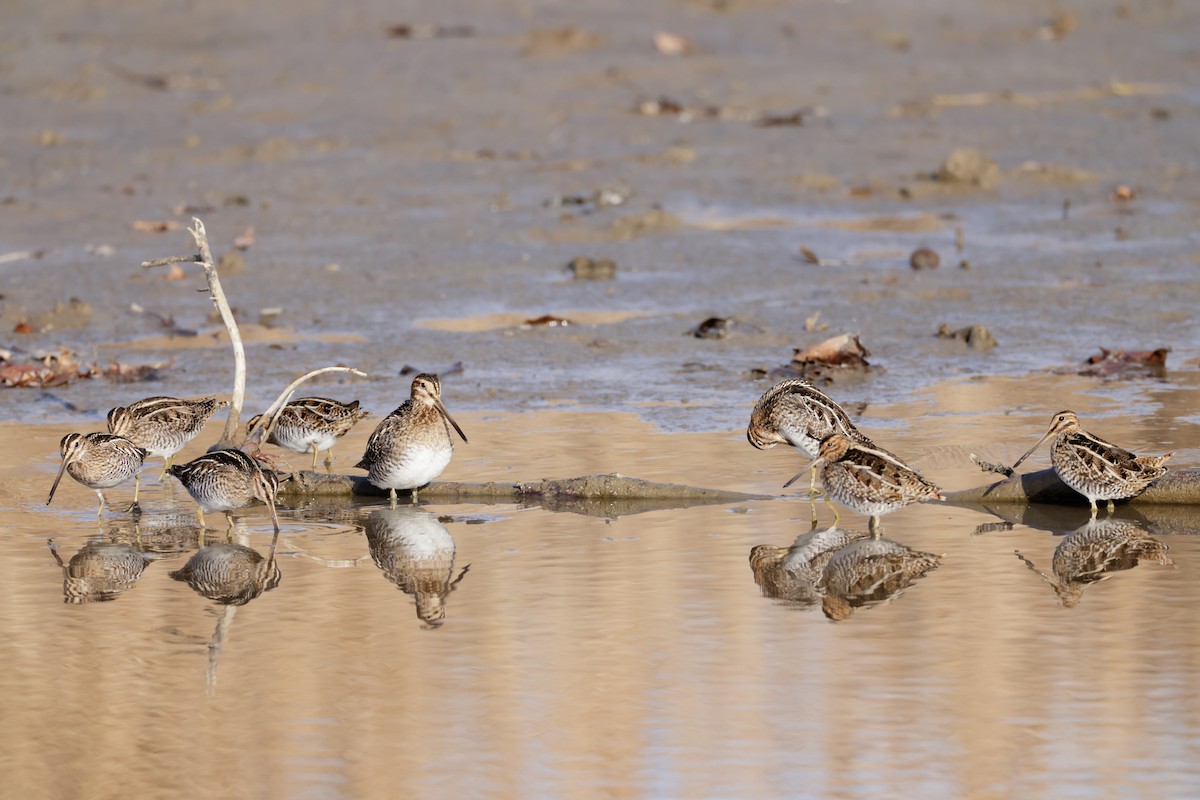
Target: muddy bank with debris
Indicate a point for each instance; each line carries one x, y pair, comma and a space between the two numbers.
778, 174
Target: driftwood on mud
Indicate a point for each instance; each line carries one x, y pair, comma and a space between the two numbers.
595, 495
1177, 487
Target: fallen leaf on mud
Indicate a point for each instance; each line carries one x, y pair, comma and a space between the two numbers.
712, 328
794, 118
546, 321
21, 255
40, 371
429, 31
840, 356
1118, 362
842, 350
672, 44
977, 337
1059, 26
809, 256
659, 106
155, 225
586, 269
22, 327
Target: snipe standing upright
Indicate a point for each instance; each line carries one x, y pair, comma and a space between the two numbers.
868, 480
99, 461
162, 425
225, 480
312, 423
797, 413
413, 444
1097, 469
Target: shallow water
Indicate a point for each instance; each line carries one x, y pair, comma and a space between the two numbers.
588, 656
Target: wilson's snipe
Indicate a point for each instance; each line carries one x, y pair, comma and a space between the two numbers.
416, 552
162, 425
312, 424
1093, 467
224, 480
868, 480
99, 461
412, 445
795, 412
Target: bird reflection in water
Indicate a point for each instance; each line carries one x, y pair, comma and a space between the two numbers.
842, 569
416, 552
1095, 550
102, 570
230, 574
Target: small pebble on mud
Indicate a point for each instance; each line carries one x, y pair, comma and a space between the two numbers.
977, 337
924, 258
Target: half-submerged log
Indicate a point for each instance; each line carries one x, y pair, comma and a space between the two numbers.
1177, 487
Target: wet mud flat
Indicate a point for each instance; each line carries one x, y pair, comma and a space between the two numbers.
761, 175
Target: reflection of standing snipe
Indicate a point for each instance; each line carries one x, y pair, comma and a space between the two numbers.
1093, 467
416, 552
224, 480
797, 413
162, 425
412, 445
99, 461
793, 574
313, 423
868, 480
99, 572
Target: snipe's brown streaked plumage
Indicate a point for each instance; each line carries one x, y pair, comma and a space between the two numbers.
1097, 469
312, 424
225, 480
1093, 552
99, 461
868, 480
416, 552
797, 413
162, 425
413, 444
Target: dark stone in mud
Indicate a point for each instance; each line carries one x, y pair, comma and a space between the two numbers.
924, 258
977, 337
1177, 487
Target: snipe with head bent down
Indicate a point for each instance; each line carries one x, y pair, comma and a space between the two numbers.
162, 425
413, 444
867, 479
795, 412
312, 424
225, 480
99, 461
1097, 469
